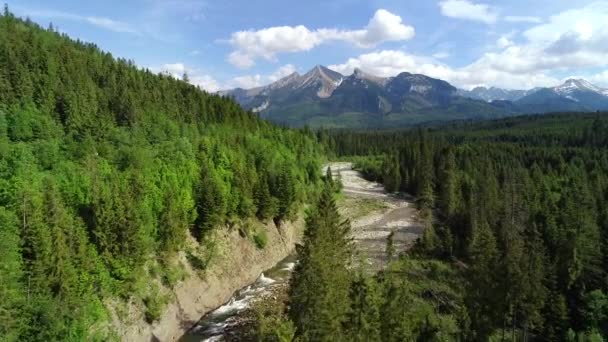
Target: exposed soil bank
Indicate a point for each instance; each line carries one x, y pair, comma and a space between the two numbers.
239, 264
374, 214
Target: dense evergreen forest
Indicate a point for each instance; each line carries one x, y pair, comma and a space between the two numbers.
108, 172
515, 246
107, 169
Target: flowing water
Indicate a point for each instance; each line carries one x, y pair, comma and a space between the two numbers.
221, 323
369, 233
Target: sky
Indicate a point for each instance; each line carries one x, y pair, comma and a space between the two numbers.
222, 44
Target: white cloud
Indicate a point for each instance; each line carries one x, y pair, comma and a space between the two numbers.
102, 22
111, 25
268, 42
246, 82
241, 60
175, 69
570, 40
441, 55
592, 16
205, 82
576, 38
464, 9
523, 19
257, 80
390, 63
195, 76
504, 42
600, 79
281, 72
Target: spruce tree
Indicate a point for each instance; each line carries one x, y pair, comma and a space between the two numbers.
11, 277
482, 288
320, 285
364, 318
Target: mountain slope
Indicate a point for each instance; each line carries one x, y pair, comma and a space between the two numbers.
323, 97
572, 95
115, 182
494, 94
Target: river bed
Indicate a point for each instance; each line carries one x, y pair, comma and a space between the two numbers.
222, 323
398, 214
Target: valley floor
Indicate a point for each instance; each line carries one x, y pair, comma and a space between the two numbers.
374, 214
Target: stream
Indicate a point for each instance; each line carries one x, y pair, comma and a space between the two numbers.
222, 323
369, 232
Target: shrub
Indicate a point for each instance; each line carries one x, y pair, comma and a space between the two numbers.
261, 239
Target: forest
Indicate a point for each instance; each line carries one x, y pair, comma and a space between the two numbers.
107, 170
515, 246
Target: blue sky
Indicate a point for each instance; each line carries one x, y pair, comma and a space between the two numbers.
225, 44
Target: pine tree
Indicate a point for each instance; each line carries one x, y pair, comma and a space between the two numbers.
448, 197
267, 206
321, 281
482, 285
13, 298
364, 318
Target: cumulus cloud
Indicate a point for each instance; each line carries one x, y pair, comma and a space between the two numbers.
467, 10
206, 82
246, 81
570, 40
210, 84
268, 42
576, 38
175, 69
390, 63
504, 42
257, 80
281, 72
600, 79
195, 76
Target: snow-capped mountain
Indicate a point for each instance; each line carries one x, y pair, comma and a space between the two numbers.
573, 94
322, 96
494, 93
573, 86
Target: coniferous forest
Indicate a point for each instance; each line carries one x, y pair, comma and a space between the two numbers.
105, 169
108, 171
516, 240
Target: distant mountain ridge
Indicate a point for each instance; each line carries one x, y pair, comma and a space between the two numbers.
494, 93
324, 97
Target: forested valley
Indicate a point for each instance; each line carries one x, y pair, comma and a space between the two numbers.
515, 246
107, 169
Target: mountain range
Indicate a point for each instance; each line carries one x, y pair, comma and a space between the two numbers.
325, 98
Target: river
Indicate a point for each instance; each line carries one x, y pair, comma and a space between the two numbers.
370, 228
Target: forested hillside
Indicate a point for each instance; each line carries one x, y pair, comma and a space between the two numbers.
106, 169
519, 247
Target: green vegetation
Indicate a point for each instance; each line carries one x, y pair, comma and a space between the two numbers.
105, 171
522, 220
413, 299
261, 239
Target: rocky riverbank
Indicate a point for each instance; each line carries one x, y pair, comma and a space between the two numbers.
238, 265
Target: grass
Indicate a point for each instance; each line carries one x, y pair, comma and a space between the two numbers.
155, 303
354, 208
